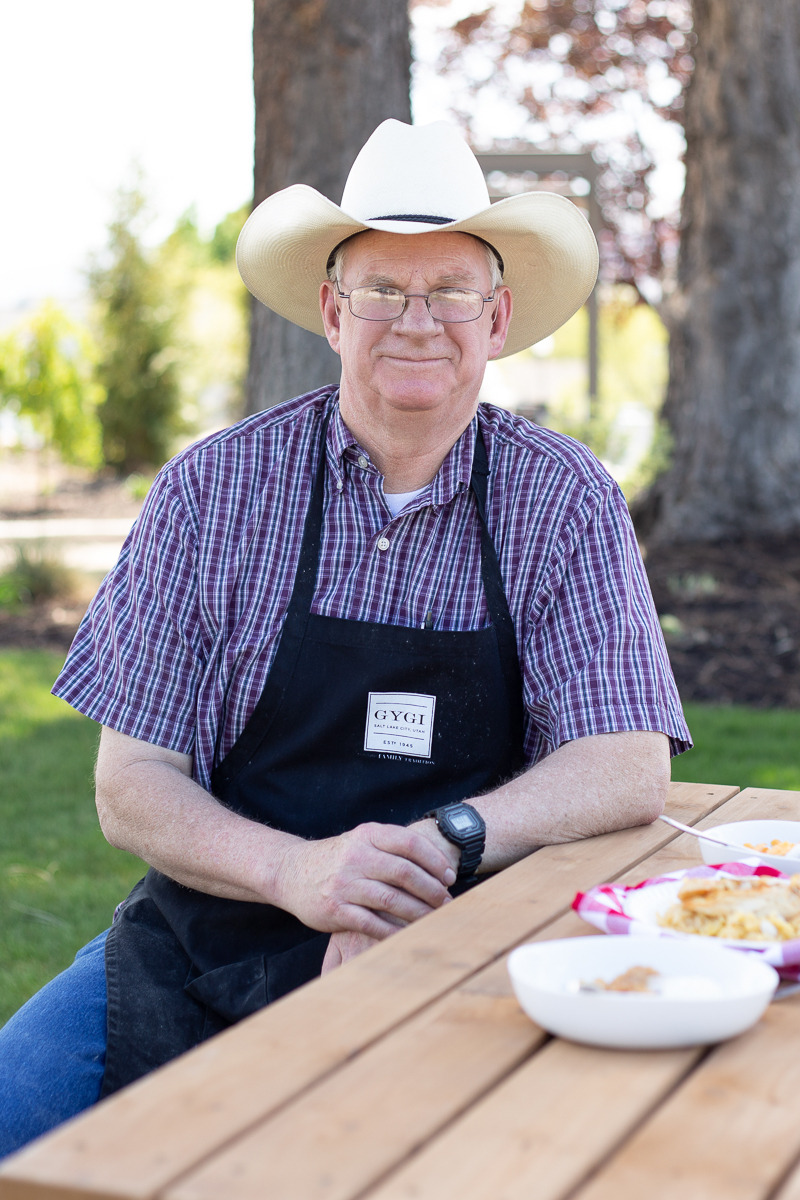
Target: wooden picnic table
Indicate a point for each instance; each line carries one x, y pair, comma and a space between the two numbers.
412, 1074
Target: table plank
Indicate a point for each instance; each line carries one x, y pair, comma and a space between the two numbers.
125, 1148
748, 805
732, 1130
464, 1160
791, 1188
336, 1141
331, 1144
782, 805
544, 1129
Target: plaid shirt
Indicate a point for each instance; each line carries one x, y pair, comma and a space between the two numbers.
185, 627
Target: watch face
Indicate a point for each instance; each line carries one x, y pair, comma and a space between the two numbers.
463, 821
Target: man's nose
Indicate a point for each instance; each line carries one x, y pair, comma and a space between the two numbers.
416, 317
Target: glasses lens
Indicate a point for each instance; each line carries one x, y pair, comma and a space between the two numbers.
376, 303
455, 304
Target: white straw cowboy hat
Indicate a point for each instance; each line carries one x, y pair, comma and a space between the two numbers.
413, 179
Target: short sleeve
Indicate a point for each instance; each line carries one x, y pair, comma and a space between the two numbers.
595, 659
137, 658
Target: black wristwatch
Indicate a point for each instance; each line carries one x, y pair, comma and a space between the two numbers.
464, 826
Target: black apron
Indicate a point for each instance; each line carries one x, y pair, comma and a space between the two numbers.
357, 722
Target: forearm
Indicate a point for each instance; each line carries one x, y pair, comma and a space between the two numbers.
590, 786
154, 810
364, 881
586, 787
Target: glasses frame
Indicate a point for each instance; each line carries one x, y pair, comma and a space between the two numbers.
426, 296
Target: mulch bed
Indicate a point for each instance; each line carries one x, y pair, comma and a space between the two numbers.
731, 618
730, 613
48, 625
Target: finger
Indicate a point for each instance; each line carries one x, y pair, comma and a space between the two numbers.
366, 863
353, 944
357, 919
382, 898
401, 924
415, 847
406, 876
333, 957
364, 860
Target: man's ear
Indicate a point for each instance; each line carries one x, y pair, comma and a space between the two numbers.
330, 313
501, 319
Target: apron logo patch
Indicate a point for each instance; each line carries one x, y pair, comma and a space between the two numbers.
400, 723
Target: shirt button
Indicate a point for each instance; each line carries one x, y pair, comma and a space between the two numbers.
339, 485
383, 544
362, 462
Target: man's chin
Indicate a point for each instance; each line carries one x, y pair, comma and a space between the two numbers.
417, 400
418, 389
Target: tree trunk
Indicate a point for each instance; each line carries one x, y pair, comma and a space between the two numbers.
326, 73
733, 401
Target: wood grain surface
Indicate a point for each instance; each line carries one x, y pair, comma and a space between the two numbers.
730, 1132
542, 1131
473, 1160
137, 1143
373, 1112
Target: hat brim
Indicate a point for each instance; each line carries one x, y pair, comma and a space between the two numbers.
548, 249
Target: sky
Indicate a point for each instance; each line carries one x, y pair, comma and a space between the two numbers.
89, 89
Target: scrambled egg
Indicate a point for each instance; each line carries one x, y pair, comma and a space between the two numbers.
775, 847
758, 908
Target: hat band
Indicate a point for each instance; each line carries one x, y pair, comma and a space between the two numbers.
419, 217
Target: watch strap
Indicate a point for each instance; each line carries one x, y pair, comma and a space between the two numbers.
471, 845
471, 856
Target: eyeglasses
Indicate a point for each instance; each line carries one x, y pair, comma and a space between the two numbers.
450, 305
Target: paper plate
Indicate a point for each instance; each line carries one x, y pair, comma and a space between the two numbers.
617, 909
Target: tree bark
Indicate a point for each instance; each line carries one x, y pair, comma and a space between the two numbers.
326, 73
733, 400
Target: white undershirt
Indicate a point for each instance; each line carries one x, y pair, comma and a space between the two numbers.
398, 500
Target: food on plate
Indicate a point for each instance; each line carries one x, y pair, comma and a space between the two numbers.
775, 847
756, 908
635, 979
644, 981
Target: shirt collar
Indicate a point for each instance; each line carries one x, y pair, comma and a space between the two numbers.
452, 477
455, 472
340, 439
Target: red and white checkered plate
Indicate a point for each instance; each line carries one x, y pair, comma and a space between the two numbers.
617, 909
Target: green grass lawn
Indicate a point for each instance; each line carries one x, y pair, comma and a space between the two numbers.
59, 878
60, 881
751, 747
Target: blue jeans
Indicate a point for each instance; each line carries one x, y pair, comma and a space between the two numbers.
53, 1051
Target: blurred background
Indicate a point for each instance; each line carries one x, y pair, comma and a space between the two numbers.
137, 138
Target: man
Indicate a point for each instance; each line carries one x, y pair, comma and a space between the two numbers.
341, 619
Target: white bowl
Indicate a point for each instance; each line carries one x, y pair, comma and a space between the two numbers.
546, 977
740, 832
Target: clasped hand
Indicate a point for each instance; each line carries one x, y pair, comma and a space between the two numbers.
364, 884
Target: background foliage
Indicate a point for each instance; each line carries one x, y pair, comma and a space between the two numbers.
136, 314
597, 75
47, 375
159, 358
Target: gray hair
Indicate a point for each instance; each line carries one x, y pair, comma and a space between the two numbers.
493, 261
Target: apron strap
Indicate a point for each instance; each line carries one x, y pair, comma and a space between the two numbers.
496, 600
305, 580
292, 634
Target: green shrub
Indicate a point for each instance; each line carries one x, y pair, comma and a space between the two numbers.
46, 375
36, 574
138, 360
